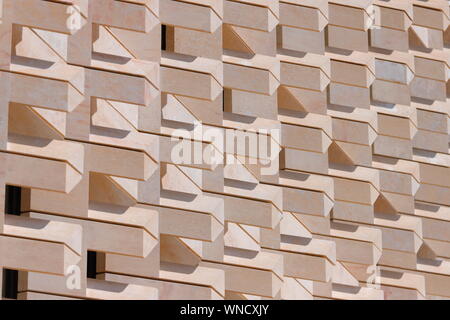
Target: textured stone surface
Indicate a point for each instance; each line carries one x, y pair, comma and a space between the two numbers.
353, 94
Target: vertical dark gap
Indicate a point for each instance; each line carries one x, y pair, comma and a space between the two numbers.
223, 100
163, 37
91, 264
10, 283
12, 200
227, 101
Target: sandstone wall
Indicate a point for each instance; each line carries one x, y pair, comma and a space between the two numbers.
353, 202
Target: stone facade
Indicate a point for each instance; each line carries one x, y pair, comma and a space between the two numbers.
351, 97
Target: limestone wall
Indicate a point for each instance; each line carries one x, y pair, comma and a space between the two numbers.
103, 201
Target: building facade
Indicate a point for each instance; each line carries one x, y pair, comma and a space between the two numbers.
225, 149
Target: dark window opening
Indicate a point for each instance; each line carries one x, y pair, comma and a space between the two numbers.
91, 264
227, 100
12, 200
10, 283
163, 37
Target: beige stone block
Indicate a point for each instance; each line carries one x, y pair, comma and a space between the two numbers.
63, 96
263, 281
51, 174
190, 84
393, 147
303, 40
346, 95
189, 16
396, 16
314, 203
251, 104
312, 267
298, 99
428, 89
121, 15
106, 290
302, 16
313, 139
32, 10
347, 39
196, 43
359, 293
170, 290
429, 17
293, 290
350, 94
202, 226
354, 191
353, 132
427, 38
257, 80
135, 266
390, 92
317, 224
389, 39
429, 140
205, 275
249, 40
354, 212
236, 13
300, 160
347, 152
396, 126
35, 255
393, 71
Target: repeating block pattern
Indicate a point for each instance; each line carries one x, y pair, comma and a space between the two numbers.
352, 93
